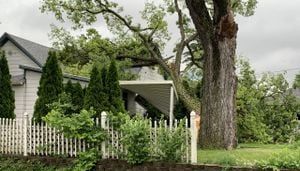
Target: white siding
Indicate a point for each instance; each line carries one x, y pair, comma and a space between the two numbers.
31, 87
16, 57
19, 100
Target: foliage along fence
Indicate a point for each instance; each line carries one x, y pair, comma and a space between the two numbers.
23, 137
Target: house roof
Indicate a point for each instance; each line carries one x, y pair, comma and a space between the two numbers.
156, 92
36, 52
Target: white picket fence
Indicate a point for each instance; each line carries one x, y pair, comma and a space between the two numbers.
23, 137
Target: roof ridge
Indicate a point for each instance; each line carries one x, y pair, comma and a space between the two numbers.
12, 35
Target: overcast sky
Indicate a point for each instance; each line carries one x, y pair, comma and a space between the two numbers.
270, 39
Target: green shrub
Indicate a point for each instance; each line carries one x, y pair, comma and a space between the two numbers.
74, 90
113, 88
117, 119
95, 97
171, 143
50, 87
136, 140
7, 99
82, 127
284, 160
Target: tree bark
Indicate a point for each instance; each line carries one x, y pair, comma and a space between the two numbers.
218, 37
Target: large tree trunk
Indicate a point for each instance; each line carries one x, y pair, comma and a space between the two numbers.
218, 126
218, 37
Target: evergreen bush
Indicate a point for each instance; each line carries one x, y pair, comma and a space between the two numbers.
7, 99
75, 92
114, 90
50, 87
95, 96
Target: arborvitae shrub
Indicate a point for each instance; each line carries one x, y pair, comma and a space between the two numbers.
76, 95
114, 91
51, 85
95, 96
7, 99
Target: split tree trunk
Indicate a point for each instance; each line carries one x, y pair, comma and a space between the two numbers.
218, 37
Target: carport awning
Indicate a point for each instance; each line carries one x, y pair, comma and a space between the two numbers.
158, 93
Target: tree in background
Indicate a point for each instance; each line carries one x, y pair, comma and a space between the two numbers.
280, 107
50, 87
250, 116
7, 99
114, 89
297, 81
95, 97
75, 92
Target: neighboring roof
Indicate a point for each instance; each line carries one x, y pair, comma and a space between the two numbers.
17, 80
36, 52
156, 92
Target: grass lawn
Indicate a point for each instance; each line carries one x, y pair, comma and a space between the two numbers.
245, 154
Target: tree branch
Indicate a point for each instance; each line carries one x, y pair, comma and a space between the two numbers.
181, 45
193, 57
202, 20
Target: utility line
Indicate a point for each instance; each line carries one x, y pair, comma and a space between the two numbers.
283, 70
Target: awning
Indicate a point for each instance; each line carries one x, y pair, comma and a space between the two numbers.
158, 93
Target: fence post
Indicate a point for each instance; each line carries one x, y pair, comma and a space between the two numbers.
25, 134
103, 126
193, 137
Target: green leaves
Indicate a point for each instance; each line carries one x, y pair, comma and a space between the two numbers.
171, 143
266, 108
136, 140
82, 127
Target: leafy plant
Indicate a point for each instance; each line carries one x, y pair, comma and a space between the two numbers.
136, 140
82, 127
171, 143
116, 120
283, 160
87, 159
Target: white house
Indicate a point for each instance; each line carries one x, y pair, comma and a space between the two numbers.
26, 58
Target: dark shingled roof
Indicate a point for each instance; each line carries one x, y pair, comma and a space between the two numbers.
36, 52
